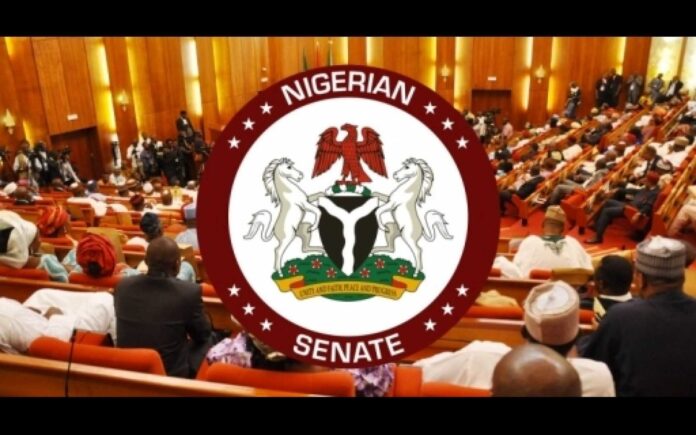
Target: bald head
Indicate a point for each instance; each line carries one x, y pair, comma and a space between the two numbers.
533, 370
162, 257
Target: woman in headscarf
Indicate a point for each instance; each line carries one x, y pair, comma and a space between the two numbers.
19, 246
96, 258
54, 223
152, 227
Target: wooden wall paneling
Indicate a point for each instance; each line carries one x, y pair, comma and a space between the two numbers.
463, 46
285, 57
492, 57
445, 58
374, 51
584, 60
521, 68
246, 65
49, 67
119, 76
414, 57
101, 92
357, 50
635, 60
537, 112
21, 52
206, 71
138, 60
77, 82
223, 65
167, 87
636, 55
9, 101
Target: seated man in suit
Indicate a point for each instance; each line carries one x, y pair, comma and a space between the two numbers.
643, 201
158, 311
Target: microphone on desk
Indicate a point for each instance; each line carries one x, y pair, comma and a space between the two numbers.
70, 356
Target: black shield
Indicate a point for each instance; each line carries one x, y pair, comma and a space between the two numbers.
331, 231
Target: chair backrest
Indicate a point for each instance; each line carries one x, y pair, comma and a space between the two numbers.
442, 389
571, 275
408, 381
137, 360
105, 282
33, 274
330, 383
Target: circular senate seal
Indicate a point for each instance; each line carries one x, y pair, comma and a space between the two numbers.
348, 216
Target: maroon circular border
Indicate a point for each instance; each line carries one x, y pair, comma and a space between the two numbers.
472, 270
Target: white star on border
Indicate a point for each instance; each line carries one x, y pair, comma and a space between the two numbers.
248, 124
234, 142
266, 109
447, 310
430, 325
462, 142
248, 309
462, 290
266, 325
447, 124
234, 290
430, 108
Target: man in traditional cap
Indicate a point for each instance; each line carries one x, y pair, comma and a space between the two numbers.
649, 343
532, 370
190, 236
551, 318
551, 250
678, 152
643, 202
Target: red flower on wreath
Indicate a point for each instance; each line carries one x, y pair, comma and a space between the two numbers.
316, 263
292, 270
403, 269
331, 273
365, 273
379, 263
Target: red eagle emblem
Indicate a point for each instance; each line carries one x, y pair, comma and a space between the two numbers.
369, 150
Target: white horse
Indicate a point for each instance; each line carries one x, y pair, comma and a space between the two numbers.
280, 178
416, 179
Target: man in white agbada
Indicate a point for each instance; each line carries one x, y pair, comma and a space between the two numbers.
54, 313
551, 318
551, 250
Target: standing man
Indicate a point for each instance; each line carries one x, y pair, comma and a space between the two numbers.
615, 85
573, 101
116, 160
21, 164
635, 87
655, 86
602, 91
673, 88
183, 125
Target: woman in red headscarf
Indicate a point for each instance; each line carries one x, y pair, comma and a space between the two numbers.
96, 258
54, 228
54, 223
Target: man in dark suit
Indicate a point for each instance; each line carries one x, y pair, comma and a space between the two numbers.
183, 125
603, 91
673, 88
615, 85
158, 311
